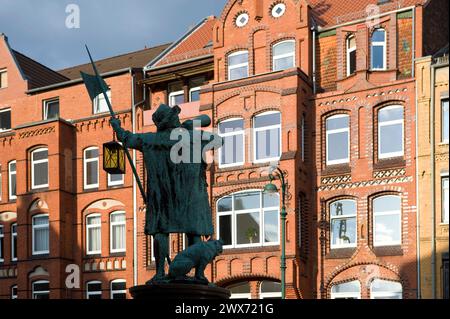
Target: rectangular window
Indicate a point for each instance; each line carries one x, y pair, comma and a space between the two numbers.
232, 151
5, 120
40, 235
338, 139
176, 94
118, 232
195, 86
118, 289
284, 55
267, 137
378, 50
390, 132
14, 292
445, 121
91, 168
39, 168
94, 235
238, 65
12, 180
351, 55
14, 242
387, 221
94, 290
2, 241
445, 201
343, 224
100, 104
115, 179
41, 290
51, 109
3, 79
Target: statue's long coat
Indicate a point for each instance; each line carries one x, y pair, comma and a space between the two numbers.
176, 193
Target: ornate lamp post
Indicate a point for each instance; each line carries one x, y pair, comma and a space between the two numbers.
271, 189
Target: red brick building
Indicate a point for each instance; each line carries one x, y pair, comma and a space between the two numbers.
315, 87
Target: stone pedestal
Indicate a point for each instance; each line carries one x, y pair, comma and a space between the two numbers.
178, 291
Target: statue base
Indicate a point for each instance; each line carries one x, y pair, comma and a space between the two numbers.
180, 291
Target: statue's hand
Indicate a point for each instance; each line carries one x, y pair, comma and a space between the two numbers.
115, 123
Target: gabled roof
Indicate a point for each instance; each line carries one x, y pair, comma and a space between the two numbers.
137, 59
196, 43
38, 75
328, 13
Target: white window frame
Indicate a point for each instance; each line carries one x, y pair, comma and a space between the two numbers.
2, 240
332, 218
3, 85
113, 292
443, 140
378, 43
247, 295
34, 293
282, 56
10, 174
444, 205
172, 95
40, 252
384, 294
98, 99
116, 183
45, 111
387, 213
14, 295
269, 295
237, 66
93, 293
267, 128
195, 89
121, 223
336, 131
342, 295
13, 238
229, 134
88, 160
234, 214
89, 226
349, 51
390, 123
33, 163
4, 111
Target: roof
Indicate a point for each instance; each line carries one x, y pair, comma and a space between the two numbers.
137, 59
38, 75
328, 13
194, 44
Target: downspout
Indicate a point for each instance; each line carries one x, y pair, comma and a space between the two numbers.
314, 58
413, 44
433, 186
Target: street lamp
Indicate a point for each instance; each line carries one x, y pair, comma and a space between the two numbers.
271, 189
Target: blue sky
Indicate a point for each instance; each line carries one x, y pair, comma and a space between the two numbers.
37, 28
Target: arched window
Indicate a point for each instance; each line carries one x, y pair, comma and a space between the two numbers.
40, 289
91, 168
351, 55
267, 137
378, 50
385, 289
387, 227
39, 168
238, 65
240, 291
232, 153
338, 139
94, 290
118, 232
14, 242
40, 234
93, 234
348, 290
390, 131
119, 289
343, 223
283, 55
270, 290
248, 219
12, 180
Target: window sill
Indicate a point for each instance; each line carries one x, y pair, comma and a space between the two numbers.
388, 251
93, 256
118, 254
40, 256
340, 253
337, 169
390, 163
254, 249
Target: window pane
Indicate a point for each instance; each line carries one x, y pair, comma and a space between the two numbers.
176, 99
378, 36
94, 287
238, 73
41, 239
352, 62
92, 173
445, 200
247, 228
387, 204
42, 220
119, 286
284, 48
195, 95
240, 288
391, 139
270, 286
352, 286
335, 123
247, 201
268, 143
231, 126
52, 110
92, 153
225, 229
224, 204
445, 121
390, 114
115, 178
238, 59
343, 207
13, 185
387, 228
337, 146
40, 172
379, 285
40, 155
271, 200
117, 218
267, 120
233, 149
343, 231
283, 63
271, 226
377, 57
351, 42
5, 120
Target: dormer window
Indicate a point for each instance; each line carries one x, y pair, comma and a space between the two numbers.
378, 50
351, 55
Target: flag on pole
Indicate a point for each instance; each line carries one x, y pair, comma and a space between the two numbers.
95, 85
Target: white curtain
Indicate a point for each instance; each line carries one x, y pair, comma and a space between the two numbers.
118, 231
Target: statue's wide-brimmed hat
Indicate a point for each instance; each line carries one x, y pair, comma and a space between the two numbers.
166, 117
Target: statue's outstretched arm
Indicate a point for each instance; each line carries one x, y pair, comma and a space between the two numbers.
129, 140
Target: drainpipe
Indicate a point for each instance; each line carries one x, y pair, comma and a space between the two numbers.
433, 186
413, 44
313, 29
